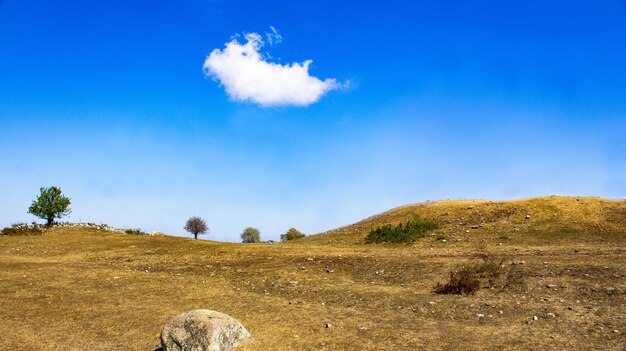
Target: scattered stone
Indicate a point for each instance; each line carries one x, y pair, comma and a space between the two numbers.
203, 330
328, 270
308, 259
535, 318
550, 314
615, 331
328, 325
527, 216
480, 315
609, 290
551, 286
475, 227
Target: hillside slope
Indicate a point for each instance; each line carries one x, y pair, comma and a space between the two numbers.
543, 218
89, 289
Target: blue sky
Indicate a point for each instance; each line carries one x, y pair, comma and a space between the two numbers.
109, 100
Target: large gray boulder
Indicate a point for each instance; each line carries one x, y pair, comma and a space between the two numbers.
203, 330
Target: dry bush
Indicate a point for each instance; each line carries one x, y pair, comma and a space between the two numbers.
461, 282
487, 270
22, 229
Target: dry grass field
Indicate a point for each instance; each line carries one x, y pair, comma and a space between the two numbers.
81, 289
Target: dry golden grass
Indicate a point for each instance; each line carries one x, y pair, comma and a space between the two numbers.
78, 289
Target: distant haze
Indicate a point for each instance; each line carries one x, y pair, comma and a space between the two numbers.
120, 105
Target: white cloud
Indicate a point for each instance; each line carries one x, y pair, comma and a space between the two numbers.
247, 75
274, 37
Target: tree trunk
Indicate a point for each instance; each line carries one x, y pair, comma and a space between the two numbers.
195, 235
50, 221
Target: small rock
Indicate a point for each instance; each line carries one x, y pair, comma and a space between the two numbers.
480, 315
551, 286
609, 290
615, 331
328, 325
535, 318
550, 314
527, 216
475, 227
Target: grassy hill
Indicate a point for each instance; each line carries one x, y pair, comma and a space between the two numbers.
85, 289
550, 218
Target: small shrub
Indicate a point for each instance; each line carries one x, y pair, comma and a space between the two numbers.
135, 231
490, 268
461, 282
440, 237
402, 233
487, 270
22, 229
292, 234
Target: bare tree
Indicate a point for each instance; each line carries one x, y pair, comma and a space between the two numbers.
196, 225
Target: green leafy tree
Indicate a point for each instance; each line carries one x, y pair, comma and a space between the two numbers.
50, 204
291, 234
250, 235
196, 225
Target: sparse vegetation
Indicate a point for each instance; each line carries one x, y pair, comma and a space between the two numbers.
135, 231
291, 234
486, 270
50, 204
196, 225
461, 282
22, 229
251, 235
402, 233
